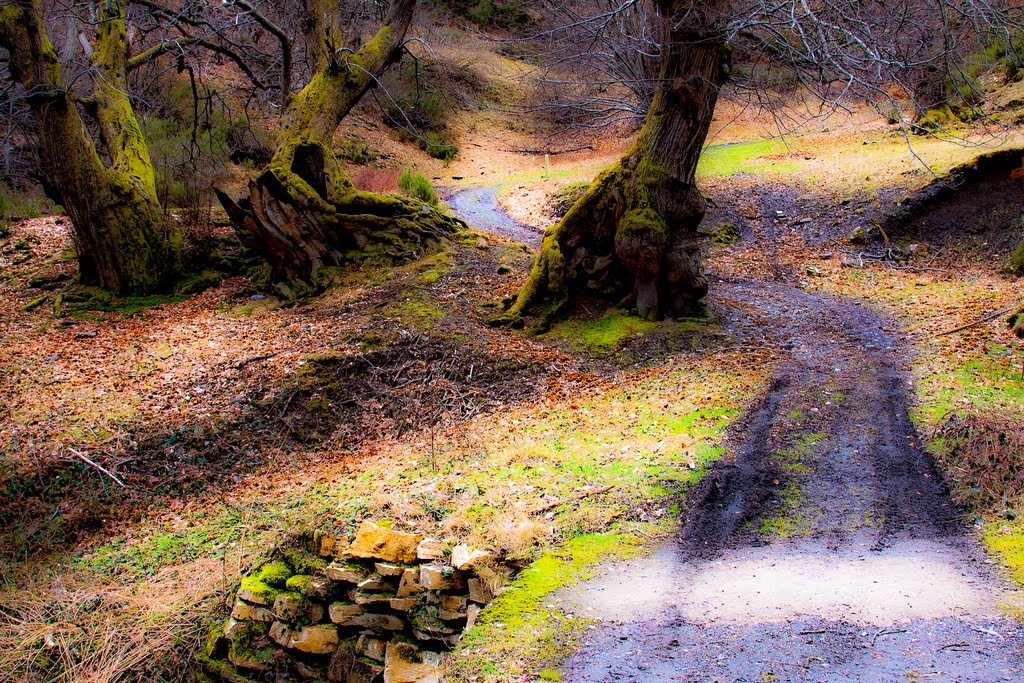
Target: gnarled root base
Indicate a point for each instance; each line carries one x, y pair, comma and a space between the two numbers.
299, 233
630, 240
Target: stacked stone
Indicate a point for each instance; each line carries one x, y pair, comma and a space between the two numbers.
388, 603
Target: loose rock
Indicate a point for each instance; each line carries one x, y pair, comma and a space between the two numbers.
321, 639
465, 557
430, 550
404, 663
439, 578
374, 542
246, 612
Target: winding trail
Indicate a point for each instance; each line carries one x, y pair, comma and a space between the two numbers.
479, 207
826, 549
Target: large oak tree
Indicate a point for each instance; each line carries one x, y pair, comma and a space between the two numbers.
303, 212
632, 238
106, 185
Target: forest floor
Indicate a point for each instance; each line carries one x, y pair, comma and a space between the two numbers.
154, 450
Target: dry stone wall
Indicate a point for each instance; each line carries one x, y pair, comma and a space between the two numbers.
385, 605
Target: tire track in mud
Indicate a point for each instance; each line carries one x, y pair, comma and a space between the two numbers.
826, 549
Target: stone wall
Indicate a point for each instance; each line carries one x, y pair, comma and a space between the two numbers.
386, 606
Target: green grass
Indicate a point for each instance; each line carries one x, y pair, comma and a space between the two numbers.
725, 160
1005, 540
418, 186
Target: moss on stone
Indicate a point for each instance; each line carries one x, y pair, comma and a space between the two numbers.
257, 591
1016, 322
302, 562
725, 233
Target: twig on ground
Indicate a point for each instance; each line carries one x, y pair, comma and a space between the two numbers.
886, 632
253, 359
989, 632
572, 499
988, 318
84, 458
287, 403
552, 152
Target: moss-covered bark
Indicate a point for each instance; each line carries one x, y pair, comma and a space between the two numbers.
632, 237
302, 212
121, 243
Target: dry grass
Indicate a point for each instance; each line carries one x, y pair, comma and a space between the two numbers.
982, 451
516, 533
74, 627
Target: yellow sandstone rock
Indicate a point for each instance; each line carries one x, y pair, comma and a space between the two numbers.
404, 663
373, 542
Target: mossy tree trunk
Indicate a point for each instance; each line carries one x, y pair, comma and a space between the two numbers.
303, 212
632, 238
117, 222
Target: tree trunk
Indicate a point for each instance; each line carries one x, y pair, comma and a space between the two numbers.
117, 223
303, 212
632, 237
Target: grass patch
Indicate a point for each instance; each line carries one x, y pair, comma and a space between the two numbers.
727, 159
1005, 540
418, 186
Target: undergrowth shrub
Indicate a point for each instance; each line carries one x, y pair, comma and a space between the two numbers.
18, 204
983, 451
190, 154
421, 103
417, 185
358, 151
490, 13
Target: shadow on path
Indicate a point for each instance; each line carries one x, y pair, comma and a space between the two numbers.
826, 550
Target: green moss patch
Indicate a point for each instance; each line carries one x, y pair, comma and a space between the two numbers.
1005, 539
518, 634
606, 334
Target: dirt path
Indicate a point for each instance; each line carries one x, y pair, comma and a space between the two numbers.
828, 551
478, 206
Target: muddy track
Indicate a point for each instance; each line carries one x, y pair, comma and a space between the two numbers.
479, 207
833, 430
826, 549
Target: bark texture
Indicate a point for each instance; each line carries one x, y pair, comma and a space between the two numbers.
121, 241
302, 212
632, 237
